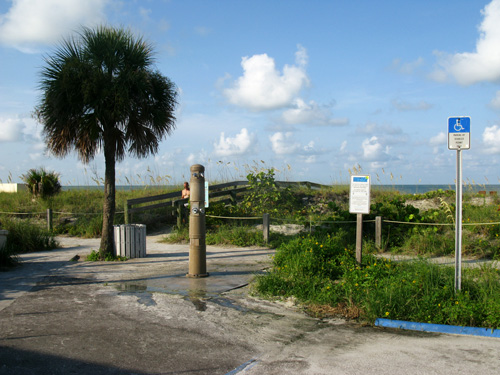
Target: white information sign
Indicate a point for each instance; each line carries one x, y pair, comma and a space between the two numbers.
359, 196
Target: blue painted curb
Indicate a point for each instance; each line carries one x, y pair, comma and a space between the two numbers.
242, 367
439, 328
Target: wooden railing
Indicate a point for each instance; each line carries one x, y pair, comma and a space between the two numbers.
228, 192
174, 205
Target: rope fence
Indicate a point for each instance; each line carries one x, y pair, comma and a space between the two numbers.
235, 218
49, 214
266, 220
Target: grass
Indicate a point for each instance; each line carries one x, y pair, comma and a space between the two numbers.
229, 234
94, 256
321, 272
78, 212
24, 237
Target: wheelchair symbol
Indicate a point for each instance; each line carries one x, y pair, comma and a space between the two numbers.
458, 126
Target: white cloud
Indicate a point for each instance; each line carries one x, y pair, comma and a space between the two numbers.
495, 102
199, 158
11, 129
202, 30
439, 139
373, 128
484, 63
373, 150
14, 129
238, 145
263, 87
310, 159
409, 67
343, 146
309, 146
407, 106
283, 144
191, 159
29, 23
145, 14
311, 114
491, 137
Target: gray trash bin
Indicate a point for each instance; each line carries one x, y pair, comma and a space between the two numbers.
130, 240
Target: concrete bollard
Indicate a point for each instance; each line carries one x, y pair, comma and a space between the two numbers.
197, 235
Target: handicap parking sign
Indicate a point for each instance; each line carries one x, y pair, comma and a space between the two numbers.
459, 133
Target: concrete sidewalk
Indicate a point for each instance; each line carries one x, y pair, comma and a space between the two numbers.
143, 316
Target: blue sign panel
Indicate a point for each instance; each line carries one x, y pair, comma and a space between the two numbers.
459, 125
359, 178
459, 133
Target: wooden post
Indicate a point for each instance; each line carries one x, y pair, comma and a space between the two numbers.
126, 213
359, 237
378, 232
265, 227
179, 214
49, 219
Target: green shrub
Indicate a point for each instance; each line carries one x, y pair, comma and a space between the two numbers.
25, 237
265, 196
320, 270
8, 256
95, 256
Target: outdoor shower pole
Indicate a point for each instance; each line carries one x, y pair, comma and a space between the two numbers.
197, 245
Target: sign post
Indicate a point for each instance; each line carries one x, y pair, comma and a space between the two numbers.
359, 203
458, 139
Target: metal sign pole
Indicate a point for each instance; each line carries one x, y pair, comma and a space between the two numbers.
458, 139
359, 238
458, 224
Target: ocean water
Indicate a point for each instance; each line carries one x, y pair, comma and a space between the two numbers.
421, 189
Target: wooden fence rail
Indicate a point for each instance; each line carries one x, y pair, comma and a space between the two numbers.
175, 206
227, 192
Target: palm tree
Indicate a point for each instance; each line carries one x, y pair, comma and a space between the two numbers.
101, 93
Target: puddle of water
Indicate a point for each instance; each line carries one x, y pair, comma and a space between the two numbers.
198, 297
199, 304
198, 291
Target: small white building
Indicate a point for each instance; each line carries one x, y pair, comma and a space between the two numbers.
13, 188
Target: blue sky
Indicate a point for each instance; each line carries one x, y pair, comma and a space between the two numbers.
313, 88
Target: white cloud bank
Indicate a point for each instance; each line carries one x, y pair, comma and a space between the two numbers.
438, 141
407, 106
14, 129
240, 144
373, 150
495, 102
491, 137
311, 114
263, 87
11, 130
484, 63
29, 23
283, 144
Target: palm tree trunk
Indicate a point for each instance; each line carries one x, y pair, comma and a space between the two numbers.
107, 238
